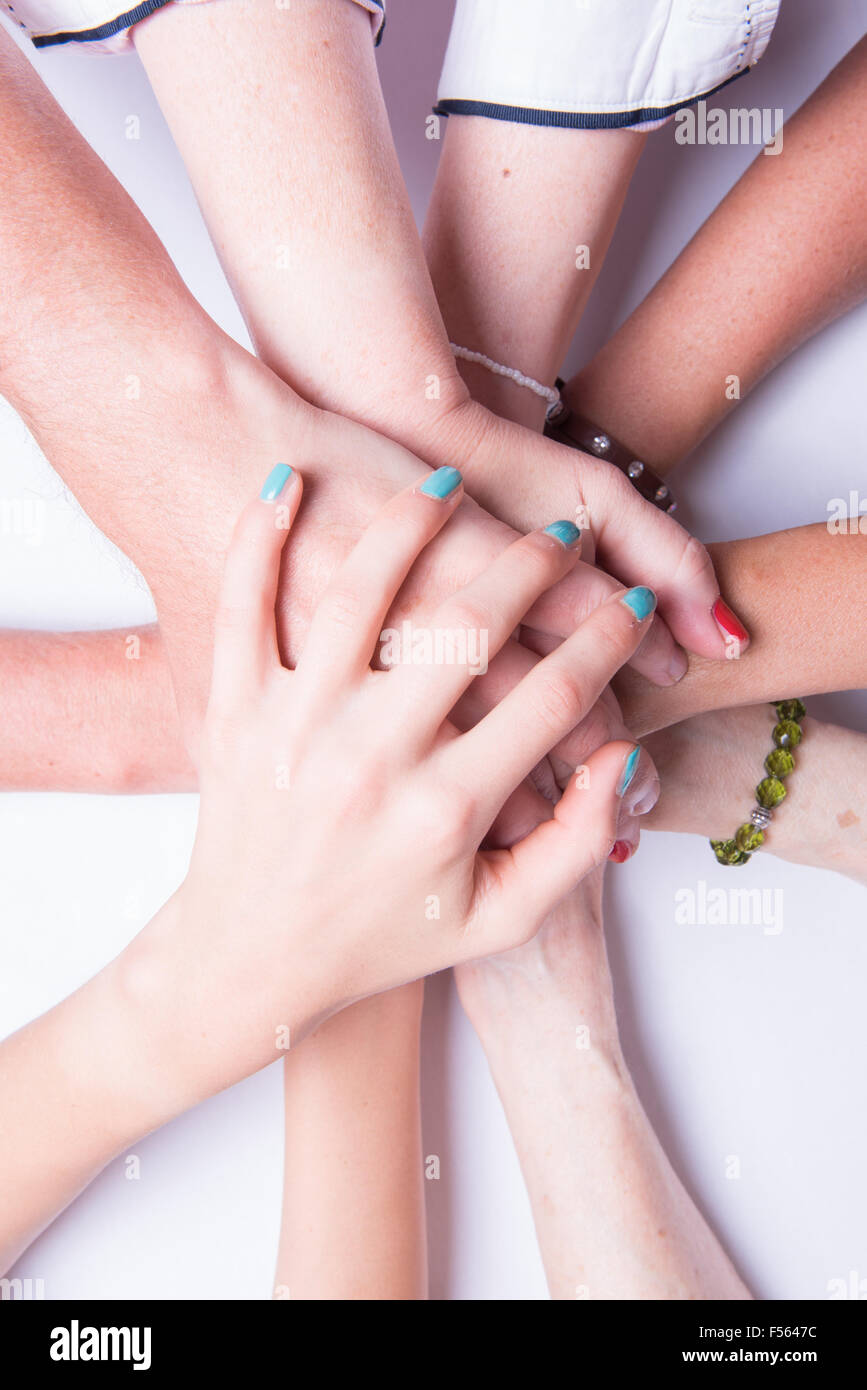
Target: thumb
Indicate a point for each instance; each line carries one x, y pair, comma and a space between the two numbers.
525, 883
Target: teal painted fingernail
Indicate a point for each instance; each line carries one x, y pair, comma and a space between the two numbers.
442, 483
565, 532
629, 768
642, 601
275, 482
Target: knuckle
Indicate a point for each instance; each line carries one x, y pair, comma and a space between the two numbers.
599, 840
444, 816
613, 642
560, 698
344, 607
695, 563
465, 616
611, 487
598, 726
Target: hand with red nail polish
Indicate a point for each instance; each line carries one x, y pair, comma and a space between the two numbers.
803, 592
730, 626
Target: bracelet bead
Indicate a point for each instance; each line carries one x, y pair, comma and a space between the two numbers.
748, 837
787, 734
779, 762
727, 852
770, 791
791, 709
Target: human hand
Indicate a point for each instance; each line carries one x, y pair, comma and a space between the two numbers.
520, 477
178, 532
341, 818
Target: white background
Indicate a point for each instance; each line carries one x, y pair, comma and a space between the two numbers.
742, 1043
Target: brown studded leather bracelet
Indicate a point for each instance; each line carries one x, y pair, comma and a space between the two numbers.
566, 426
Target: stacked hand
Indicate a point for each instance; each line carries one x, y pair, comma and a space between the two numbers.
342, 814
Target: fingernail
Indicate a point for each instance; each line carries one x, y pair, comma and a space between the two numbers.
628, 772
442, 483
642, 601
565, 532
275, 482
728, 624
646, 802
678, 665
621, 852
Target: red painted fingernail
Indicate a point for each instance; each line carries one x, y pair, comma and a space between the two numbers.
621, 852
728, 624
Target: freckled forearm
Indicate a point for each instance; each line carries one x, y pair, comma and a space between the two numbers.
502, 188
308, 210
782, 255
612, 1217
90, 712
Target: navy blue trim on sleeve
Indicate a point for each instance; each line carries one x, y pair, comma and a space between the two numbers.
102, 31
573, 120
126, 21
380, 5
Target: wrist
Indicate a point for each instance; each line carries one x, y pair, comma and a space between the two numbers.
550, 998
552, 1047
156, 998
206, 1015
502, 395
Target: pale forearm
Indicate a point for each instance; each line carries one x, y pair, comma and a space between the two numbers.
823, 821
165, 1025
518, 227
612, 1218
336, 265
90, 712
279, 116
353, 1206
782, 255
77, 1086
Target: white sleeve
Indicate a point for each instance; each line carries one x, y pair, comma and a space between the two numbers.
596, 63
104, 25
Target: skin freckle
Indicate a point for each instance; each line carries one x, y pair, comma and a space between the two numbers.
847, 818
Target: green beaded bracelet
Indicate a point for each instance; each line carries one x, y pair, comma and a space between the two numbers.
771, 790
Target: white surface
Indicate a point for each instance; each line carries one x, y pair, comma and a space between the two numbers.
743, 1043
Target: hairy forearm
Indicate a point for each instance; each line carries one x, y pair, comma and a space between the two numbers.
90, 712
803, 596
783, 255
157, 422
500, 189
353, 1205
111, 284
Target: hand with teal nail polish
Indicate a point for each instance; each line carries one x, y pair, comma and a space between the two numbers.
640, 601
566, 532
442, 483
275, 482
337, 851
336, 797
